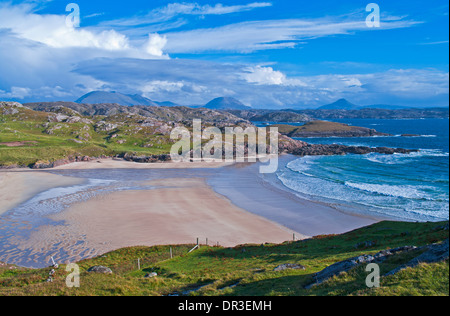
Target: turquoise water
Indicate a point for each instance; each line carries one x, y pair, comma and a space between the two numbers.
407, 187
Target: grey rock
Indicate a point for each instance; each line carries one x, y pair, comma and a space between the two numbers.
347, 265
100, 269
151, 275
434, 253
289, 266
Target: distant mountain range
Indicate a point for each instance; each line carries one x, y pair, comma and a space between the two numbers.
102, 97
343, 104
222, 103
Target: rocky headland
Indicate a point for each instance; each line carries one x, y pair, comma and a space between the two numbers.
48, 135
327, 129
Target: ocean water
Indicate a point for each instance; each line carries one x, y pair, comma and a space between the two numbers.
411, 187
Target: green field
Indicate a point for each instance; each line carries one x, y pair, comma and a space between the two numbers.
248, 269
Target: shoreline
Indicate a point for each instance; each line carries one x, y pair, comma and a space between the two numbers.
266, 198
118, 163
174, 211
172, 203
18, 186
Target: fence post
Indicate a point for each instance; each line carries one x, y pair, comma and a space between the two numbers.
207, 241
171, 255
139, 264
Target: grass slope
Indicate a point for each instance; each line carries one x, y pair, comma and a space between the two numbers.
248, 269
50, 140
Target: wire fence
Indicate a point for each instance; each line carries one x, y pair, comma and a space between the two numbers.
137, 264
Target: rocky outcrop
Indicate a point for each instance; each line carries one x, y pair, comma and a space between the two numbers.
289, 145
10, 108
179, 114
147, 159
433, 253
61, 162
334, 149
347, 265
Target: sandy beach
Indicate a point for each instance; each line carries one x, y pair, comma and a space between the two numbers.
112, 163
178, 212
19, 185
154, 204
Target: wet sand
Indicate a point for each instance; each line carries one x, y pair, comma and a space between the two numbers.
266, 196
155, 204
18, 186
178, 211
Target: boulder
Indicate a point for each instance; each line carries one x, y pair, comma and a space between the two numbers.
100, 269
151, 275
289, 266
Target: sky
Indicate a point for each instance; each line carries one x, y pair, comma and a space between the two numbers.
267, 54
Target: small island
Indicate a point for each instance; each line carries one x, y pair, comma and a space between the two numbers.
327, 129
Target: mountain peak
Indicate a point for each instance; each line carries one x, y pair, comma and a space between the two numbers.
96, 97
341, 104
226, 103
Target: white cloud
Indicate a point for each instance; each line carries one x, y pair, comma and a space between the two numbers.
173, 10
197, 82
409, 83
161, 86
267, 76
42, 59
252, 36
155, 44
16, 92
52, 31
434, 43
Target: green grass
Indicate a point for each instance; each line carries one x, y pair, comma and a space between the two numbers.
248, 269
55, 141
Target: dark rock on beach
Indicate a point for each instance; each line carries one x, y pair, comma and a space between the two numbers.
147, 159
61, 162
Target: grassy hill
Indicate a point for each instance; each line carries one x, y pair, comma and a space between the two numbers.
249, 269
54, 132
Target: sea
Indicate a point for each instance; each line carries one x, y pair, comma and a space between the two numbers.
412, 187
407, 187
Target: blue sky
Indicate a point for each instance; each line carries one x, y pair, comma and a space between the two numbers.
268, 54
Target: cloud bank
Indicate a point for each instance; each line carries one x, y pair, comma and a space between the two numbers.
44, 60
